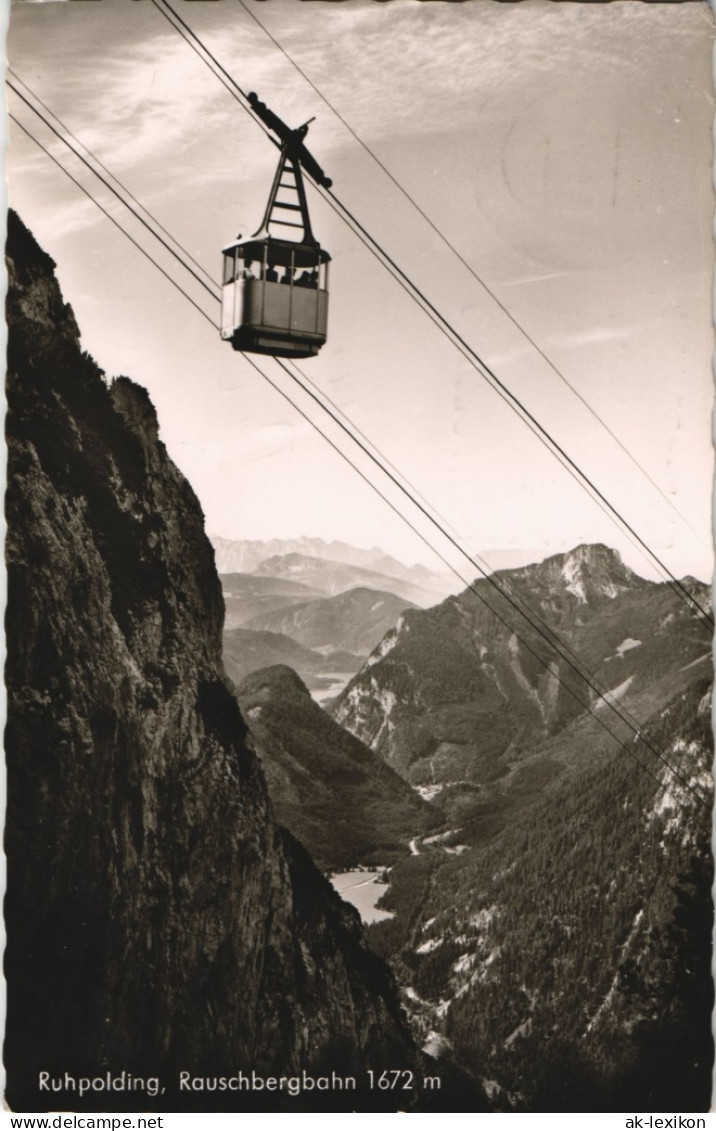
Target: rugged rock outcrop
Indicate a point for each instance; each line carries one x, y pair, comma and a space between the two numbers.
158, 919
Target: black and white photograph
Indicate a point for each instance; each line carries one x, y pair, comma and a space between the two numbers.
359, 556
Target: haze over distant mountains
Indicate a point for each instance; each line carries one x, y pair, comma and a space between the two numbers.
333, 567
355, 620
338, 577
325, 639
247, 651
319, 615
248, 557
247, 595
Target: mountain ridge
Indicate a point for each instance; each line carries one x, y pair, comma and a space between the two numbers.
245, 556
449, 671
337, 577
355, 620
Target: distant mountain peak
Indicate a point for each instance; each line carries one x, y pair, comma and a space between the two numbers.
596, 567
591, 571
591, 553
292, 561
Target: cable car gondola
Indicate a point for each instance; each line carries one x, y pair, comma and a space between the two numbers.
275, 290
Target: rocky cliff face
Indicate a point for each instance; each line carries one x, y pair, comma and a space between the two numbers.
158, 919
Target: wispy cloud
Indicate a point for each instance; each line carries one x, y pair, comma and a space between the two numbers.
464, 54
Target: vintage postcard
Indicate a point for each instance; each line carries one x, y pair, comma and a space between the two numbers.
359, 555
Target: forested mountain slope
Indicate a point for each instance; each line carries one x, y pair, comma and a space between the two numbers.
355, 621
565, 958
329, 789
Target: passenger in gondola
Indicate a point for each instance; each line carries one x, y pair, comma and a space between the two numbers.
247, 273
287, 278
271, 274
304, 279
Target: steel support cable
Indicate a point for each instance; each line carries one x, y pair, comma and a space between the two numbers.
469, 584
553, 641
589, 708
690, 600
233, 87
498, 582
602, 692
386, 460
474, 559
213, 290
192, 39
468, 267
516, 404
109, 173
548, 442
451, 334
116, 223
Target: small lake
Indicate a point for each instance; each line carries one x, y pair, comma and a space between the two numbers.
335, 682
363, 890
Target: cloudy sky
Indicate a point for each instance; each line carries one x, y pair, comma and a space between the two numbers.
564, 149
